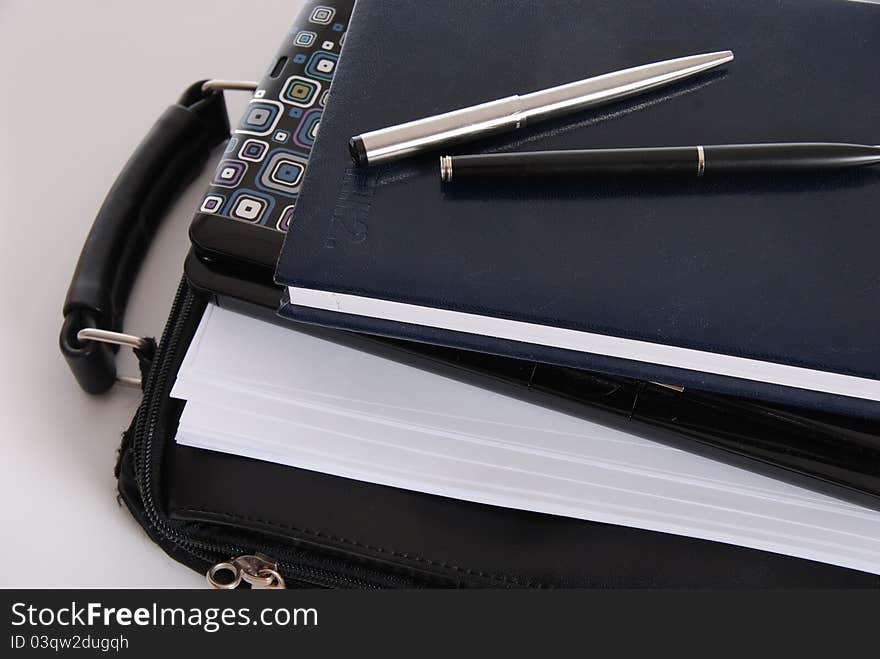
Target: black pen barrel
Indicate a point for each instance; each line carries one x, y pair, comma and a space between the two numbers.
576, 163
678, 160
799, 156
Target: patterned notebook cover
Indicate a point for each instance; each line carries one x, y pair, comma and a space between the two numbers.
259, 178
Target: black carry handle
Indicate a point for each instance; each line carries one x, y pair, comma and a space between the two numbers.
169, 156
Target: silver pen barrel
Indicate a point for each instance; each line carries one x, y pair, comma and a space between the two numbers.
400, 141
468, 123
613, 86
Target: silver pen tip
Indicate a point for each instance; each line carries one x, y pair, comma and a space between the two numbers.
705, 60
712, 59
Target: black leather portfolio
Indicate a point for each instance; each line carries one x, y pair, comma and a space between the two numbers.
765, 287
254, 522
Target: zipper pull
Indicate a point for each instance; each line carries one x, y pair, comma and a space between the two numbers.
259, 570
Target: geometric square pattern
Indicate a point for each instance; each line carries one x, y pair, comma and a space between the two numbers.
322, 65
260, 117
300, 91
284, 219
308, 128
253, 150
264, 164
249, 206
304, 38
283, 172
229, 173
211, 203
322, 15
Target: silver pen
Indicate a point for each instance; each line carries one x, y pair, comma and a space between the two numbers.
394, 142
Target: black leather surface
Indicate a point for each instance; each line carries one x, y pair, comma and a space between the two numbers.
466, 542
782, 269
451, 542
457, 542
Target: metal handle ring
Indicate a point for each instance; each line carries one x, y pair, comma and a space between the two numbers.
231, 85
119, 339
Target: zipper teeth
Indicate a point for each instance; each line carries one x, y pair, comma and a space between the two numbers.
147, 416
143, 472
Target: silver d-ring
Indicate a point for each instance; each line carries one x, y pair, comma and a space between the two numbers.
224, 567
231, 85
116, 338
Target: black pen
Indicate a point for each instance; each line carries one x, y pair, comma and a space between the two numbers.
678, 160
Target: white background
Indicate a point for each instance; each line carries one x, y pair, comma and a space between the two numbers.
82, 83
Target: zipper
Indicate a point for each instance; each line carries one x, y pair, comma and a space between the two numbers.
257, 569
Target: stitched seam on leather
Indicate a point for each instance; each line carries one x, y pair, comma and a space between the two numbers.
355, 543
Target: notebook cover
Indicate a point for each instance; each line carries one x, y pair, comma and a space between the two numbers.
762, 271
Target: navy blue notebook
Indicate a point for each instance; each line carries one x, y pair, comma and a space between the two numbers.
760, 286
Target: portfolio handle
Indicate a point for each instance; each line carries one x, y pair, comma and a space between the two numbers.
168, 157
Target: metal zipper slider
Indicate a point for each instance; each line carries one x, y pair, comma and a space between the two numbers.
259, 570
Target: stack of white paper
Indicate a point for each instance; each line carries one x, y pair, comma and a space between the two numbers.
275, 394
